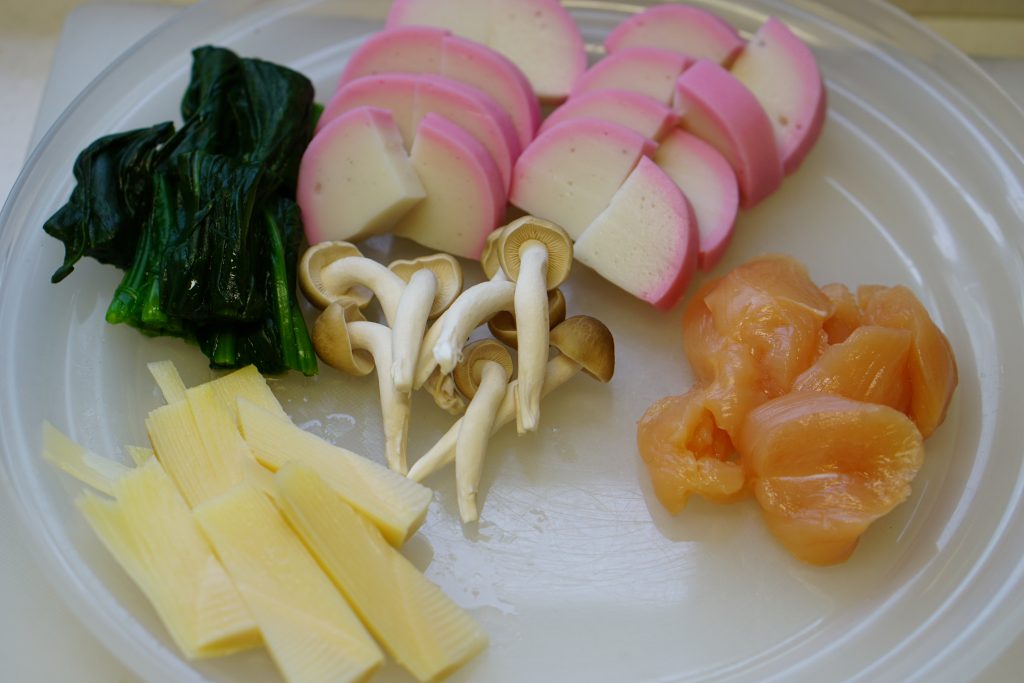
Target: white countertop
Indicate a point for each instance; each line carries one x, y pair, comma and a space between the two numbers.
40, 639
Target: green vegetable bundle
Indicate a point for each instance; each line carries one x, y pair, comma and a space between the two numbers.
202, 219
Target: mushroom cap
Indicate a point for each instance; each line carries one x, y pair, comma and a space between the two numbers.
467, 372
445, 268
503, 325
333, 343
588, 342
442, 388
313, 262
528, 228
489, 257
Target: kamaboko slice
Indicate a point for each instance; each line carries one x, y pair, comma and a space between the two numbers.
686, 453
825, 467
871, 366
771, 306
931, 365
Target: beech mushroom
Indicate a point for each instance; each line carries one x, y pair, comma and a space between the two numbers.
584, 344
442, 345
351, 344
481, 376
503, 325
537, 256
432, 284
489, 261
342, 274
442, 389
312, 264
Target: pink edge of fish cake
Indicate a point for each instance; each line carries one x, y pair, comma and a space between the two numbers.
646, 241
468, 18
357, 155
645, 115
430, 50
395, 93
494, 74
474, 112
783, 74
404, 49
539, 36
465, 201
708, 181
721, 111
542, 39
411, 96
569, 174
649, 71
689, 30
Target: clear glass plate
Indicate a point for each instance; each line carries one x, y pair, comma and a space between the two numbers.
576, 571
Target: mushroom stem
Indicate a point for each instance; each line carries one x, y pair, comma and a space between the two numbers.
557, 372
531, 307
473, 308
409, 326
394, 405
358, 270
477, 427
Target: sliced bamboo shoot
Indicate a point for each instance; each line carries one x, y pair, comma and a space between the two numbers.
178, 442
139, 454
218, 428
417, 624
309, 629
250, 385
168, 379
85, 466
150, 531
396, 505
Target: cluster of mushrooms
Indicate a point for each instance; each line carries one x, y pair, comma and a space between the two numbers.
423, 343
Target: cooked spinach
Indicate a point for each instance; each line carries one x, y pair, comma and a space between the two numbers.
110, 200
202, 218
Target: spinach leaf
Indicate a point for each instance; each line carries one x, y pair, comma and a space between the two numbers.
203, 219
104, 215
274, 118
212, 267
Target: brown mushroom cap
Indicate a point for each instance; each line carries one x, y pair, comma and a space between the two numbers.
529, 228
313, 262
467, 372
588, 342
503, 325
445, 268
489, 257
333, 344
